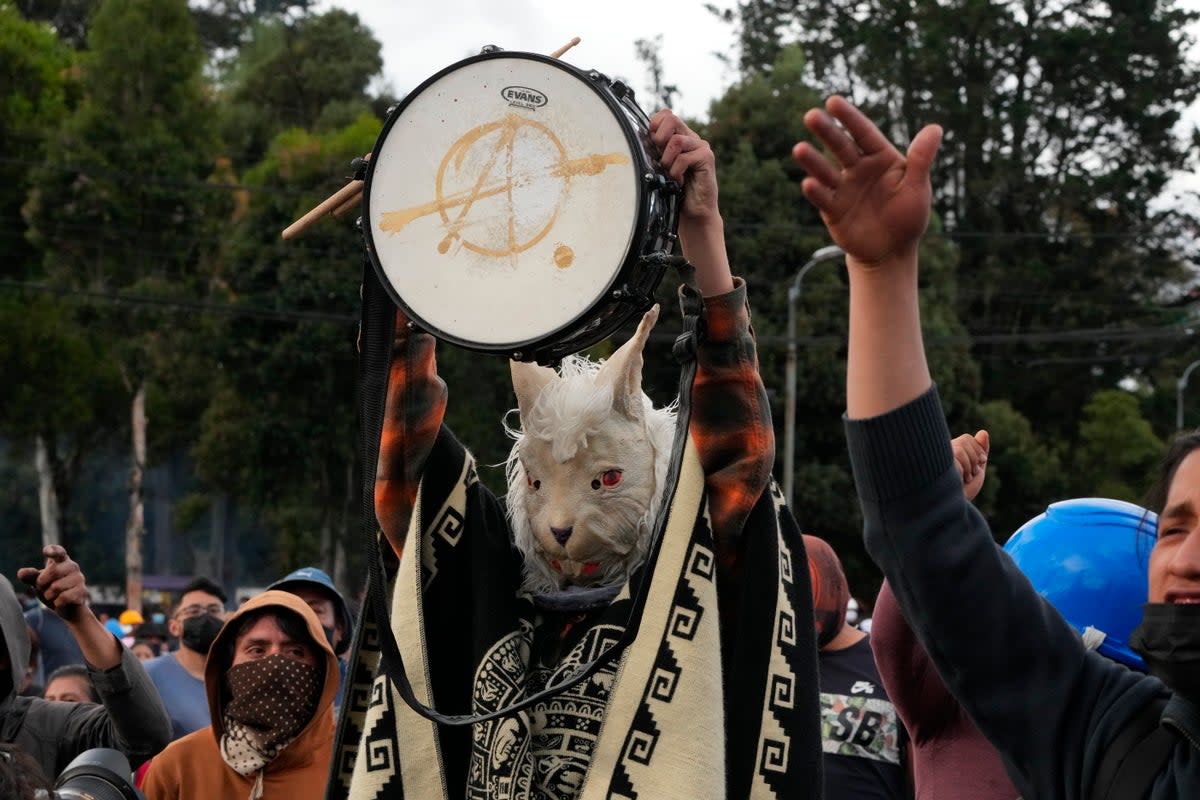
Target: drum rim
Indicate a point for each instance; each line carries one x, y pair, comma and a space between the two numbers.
533, 348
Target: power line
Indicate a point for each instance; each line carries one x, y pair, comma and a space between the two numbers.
142, 301
1092, 335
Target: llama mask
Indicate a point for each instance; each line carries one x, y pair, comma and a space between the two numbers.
588, 467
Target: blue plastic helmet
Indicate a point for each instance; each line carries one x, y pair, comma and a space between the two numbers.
1088, 557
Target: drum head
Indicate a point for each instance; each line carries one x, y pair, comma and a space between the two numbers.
502, 198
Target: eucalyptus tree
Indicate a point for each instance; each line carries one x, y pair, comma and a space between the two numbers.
120, 203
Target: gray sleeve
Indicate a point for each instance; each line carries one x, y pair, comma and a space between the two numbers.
130, 718
1018, 669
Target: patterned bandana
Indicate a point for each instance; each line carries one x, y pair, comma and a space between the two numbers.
829, 589
272, 699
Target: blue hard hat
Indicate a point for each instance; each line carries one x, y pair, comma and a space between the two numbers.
1088, 557
315, 577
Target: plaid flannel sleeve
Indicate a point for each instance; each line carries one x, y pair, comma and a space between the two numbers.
731, 416
413, 414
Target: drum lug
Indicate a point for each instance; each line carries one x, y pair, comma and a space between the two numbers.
490, 48
621, 89
359, 165
657, 181
635, 298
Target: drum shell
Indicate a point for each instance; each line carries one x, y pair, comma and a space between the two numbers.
623, 286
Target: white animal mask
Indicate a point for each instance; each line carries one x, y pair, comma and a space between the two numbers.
587, 471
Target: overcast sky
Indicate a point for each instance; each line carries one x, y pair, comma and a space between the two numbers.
420, 37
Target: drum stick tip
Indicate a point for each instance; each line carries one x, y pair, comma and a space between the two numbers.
558, 53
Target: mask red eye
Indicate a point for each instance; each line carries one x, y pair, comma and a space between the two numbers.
611, 478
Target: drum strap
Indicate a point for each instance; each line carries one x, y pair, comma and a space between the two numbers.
375, 341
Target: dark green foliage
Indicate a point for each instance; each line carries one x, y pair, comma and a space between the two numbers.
1059, 133
771, 232
1058, 124
32, 101
279, 428
68, 19
311, 72
167, 143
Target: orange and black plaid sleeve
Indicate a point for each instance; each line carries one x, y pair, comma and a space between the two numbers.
731, 416
413, 414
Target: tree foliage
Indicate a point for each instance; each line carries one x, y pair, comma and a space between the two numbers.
33, 98
311, 72
771, 231
1058, 119
157, 148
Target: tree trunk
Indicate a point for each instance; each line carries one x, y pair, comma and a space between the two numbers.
135, 528
47, 496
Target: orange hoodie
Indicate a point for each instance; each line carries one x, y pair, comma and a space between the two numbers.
191, 768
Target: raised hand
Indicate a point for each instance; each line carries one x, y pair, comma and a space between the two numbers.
873, 199
970, 455
60, 583
689, 160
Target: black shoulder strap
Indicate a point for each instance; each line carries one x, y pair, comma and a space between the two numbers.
1135, 757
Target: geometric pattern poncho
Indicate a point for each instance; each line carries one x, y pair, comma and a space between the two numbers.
716, 696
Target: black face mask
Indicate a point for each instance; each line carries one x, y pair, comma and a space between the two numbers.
1169, 640
199, 632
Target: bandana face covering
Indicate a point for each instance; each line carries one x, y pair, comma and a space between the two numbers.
272, 699
1169, 640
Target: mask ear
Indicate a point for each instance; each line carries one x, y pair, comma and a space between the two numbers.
528, 382
624, 369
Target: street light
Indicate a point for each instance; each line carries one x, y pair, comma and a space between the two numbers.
829, 253
1179, 387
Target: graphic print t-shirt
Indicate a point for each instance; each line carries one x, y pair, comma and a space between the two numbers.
861, 735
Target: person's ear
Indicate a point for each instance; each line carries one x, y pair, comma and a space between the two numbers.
174, 627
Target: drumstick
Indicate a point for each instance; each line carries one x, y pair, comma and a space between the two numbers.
350, 195
349, 204
352, 190
558, 53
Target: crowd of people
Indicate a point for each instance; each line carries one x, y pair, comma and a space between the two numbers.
970, 683
267, 672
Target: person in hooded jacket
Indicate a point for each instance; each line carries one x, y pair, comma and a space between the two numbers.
271, 677
130, 717
315, 587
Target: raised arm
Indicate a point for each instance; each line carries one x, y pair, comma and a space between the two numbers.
413, 414
1017, 668
875, 203
131, 717
731, 417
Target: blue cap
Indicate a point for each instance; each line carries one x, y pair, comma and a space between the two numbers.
1088, 557
311, 576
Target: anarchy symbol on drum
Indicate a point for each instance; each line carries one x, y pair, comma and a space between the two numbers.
500, 188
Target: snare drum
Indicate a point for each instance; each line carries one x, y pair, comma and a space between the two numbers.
514, 204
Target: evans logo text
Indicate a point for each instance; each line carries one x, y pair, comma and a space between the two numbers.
523, 96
